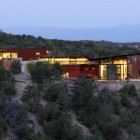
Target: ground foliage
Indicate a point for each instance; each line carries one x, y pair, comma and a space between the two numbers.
46, 71
108, 114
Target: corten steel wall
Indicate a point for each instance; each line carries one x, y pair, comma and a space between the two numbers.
82, 70
134, 60
27, 53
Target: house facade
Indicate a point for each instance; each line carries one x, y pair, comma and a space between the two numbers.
74, 66
24, 53
127, 66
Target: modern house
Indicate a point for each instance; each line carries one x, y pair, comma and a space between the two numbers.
74, 66
127, 66
7, 55
24, 53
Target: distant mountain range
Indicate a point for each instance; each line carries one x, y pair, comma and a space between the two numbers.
122, 33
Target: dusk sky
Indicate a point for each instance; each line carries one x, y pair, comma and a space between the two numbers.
69, 13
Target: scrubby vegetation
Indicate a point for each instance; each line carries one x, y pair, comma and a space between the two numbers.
108, 115
16, 67
69, 48
45, 71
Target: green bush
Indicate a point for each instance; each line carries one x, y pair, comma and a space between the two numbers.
3, 126
16, 67
8, 88
45, 71
83, 93
30, 66
61, 128
129, 89
125, 101
31, 98
49, 112
24, 132
15, 114
2, 73
127, 118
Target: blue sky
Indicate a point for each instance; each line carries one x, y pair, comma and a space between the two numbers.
69, 13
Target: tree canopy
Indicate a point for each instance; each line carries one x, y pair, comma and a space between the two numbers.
69, 48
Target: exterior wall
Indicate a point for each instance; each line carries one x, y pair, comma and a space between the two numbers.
7, 63
27, 53
82, 70
134, 64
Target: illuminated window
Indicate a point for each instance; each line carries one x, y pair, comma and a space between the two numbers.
37, 53
6, 55
51, 60
14, 55
65, 60
66, 75
103, 71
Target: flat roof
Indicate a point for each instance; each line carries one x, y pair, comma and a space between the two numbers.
46, 56
113, 57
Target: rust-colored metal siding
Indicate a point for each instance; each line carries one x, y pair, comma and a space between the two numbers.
134, 61
27, 53
82, 70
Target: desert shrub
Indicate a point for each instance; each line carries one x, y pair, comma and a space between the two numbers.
3, 101
2, 73
61, 128
49, 112
46, 71
56, 123
127, 118
31, 98
83, 93
136, 113
3, 126
8, 87
129, 89
15, 114
116, 103
98, 137
16, 67
30, 66
41, 72
56, 92
51, 94
134, 131
63, 100
24, 132
3, 120
125, 101
111, 130
105, 112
